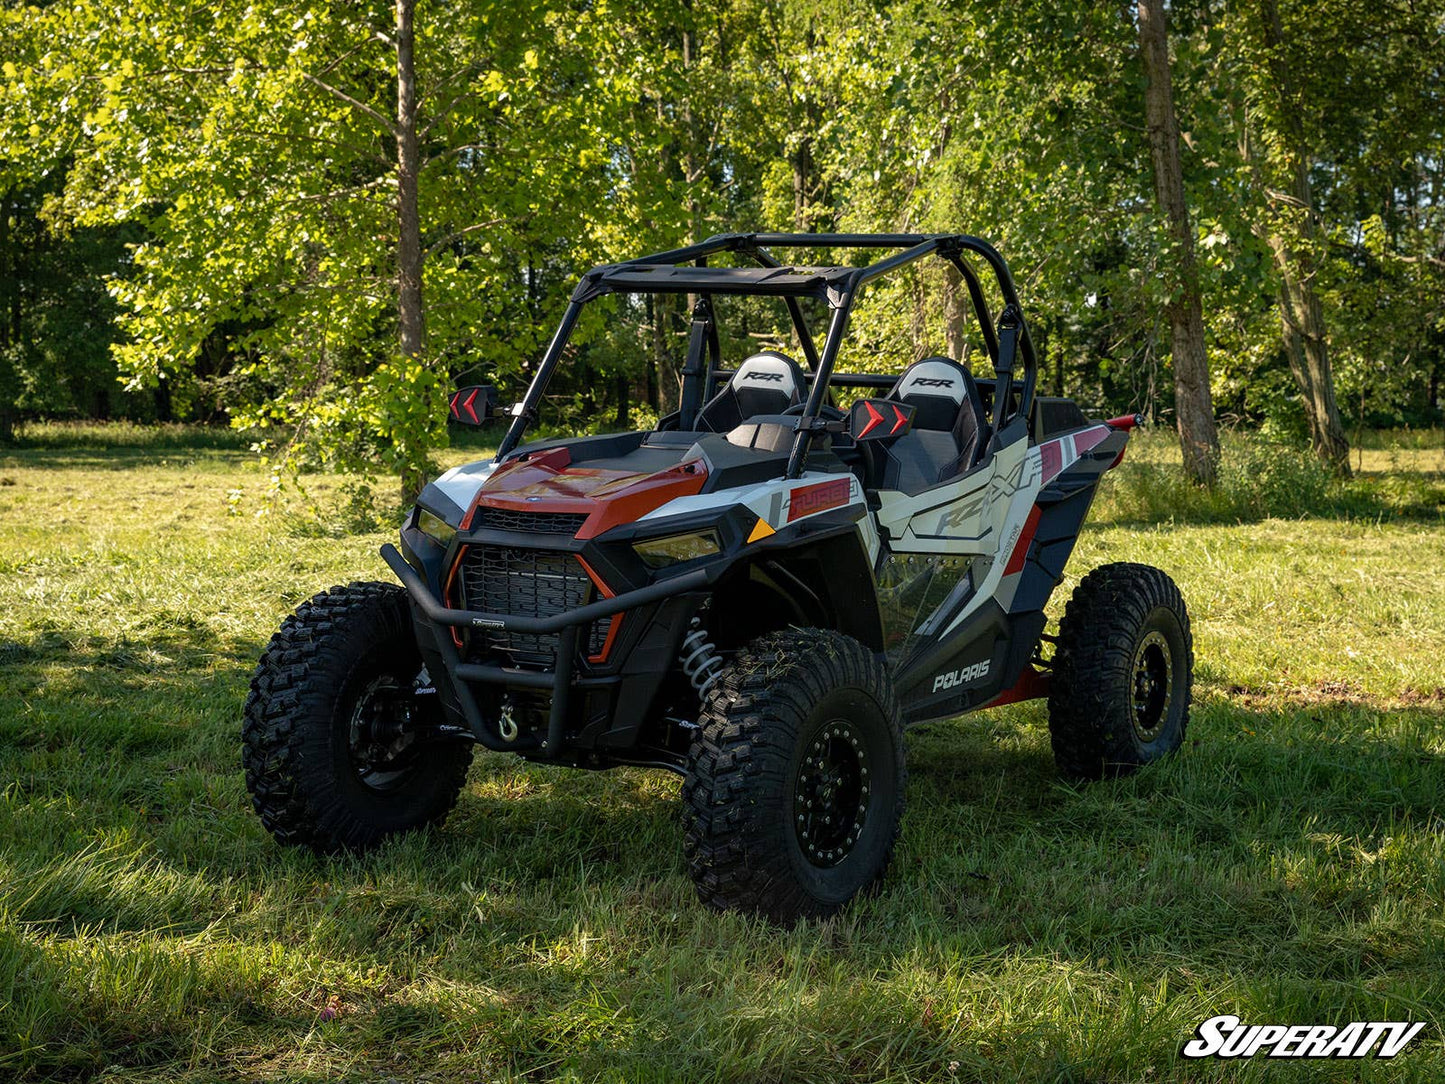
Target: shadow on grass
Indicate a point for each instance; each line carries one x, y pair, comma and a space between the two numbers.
1293, 846
124, 458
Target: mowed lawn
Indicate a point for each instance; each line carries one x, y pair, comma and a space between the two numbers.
1288, 867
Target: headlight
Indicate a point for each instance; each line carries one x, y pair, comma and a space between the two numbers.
434, 527
677, 548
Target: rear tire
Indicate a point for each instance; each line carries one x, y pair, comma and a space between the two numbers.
329, 738
1122, 673
794, 790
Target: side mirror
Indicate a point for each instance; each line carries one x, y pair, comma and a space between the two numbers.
473, 405
879, 419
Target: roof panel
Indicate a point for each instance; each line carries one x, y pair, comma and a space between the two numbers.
767, 281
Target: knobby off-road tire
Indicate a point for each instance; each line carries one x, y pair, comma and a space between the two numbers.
794, 790
331, 663
1123, 671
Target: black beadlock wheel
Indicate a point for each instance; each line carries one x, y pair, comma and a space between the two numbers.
335, 742
794, 790
1123, 672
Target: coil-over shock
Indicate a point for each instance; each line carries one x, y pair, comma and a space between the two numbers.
701, 662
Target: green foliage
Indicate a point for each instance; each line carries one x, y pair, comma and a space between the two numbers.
1273, 475
247, 155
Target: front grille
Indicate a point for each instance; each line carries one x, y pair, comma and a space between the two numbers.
534, 583
507, 519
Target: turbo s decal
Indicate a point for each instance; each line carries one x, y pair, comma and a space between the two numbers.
807, 500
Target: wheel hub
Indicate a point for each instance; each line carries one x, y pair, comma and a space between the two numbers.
830, 799
384, 732
1152, 685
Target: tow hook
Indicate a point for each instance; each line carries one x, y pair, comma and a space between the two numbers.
507, 725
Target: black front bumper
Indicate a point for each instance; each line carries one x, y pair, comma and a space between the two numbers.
560, 681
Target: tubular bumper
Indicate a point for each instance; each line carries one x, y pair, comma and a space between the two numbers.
560, 681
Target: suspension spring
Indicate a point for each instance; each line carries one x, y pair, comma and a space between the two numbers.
700, 659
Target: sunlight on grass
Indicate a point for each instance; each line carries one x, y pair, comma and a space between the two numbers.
1288, 866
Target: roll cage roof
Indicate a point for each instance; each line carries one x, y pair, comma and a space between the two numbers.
686, 271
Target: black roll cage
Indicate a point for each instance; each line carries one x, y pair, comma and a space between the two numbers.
837, 286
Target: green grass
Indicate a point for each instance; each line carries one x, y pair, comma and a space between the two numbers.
1288, 867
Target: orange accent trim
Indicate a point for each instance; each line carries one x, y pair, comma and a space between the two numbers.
762, 530
638, 498
447, 589
615, 623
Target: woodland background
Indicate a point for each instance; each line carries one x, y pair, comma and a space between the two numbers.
311, 219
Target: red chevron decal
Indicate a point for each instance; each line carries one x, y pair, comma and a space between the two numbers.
874, 419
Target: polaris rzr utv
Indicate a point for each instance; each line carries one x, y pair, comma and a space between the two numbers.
759, 594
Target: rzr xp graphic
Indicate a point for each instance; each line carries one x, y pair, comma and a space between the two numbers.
758, 594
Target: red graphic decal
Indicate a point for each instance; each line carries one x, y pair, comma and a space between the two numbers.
472, 398
1021, 547
900, 423
1031, 685
1053, 454
873, 420
1089, 437
818, 498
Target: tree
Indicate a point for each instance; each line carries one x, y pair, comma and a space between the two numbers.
337, 210
1194, 409
1277, 146
316, 214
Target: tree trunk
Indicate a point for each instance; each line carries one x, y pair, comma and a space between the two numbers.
955, 314
1039, 332
1293, 240
410, 315
1194, 409
624, 402
802, 166
662, 378
654, 361
161, 396
1059, 371
9, 278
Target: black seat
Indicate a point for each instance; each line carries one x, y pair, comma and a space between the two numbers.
950, 429
766, 383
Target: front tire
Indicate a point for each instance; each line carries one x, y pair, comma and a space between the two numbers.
334, 739
1123, 673
794, 790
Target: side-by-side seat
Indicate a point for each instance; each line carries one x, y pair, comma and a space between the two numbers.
766, 383
950, 429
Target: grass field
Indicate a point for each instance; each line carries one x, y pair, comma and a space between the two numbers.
1288, 867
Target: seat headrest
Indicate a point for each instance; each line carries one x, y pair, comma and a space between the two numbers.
769, 371
943, 377
766, 383
938, 388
